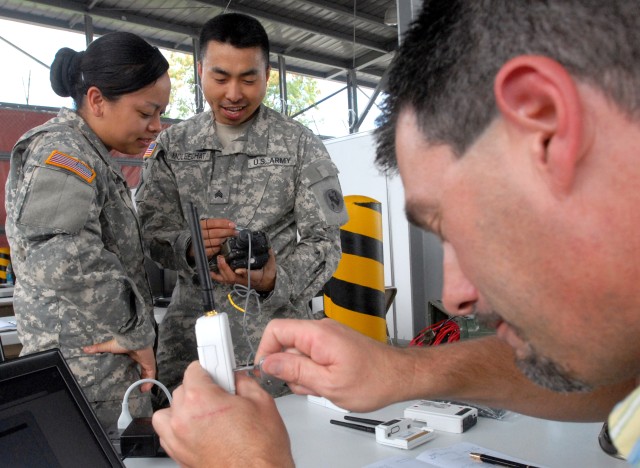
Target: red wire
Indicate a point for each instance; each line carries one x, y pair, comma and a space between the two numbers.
444, 331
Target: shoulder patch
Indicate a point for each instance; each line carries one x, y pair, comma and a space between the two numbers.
150, 150
334, 200
71, 164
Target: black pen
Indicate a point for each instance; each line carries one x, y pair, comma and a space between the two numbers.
498, 461
358, 427
375, 422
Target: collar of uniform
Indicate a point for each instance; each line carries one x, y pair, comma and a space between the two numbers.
210, 138
258, 133
73, 118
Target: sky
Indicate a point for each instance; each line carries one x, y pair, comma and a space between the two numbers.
25, 81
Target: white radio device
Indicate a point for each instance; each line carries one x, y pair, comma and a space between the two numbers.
443, 416
215, 348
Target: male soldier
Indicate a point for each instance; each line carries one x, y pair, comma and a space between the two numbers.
242, 165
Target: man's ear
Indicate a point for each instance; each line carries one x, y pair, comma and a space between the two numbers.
539, 100
200, 69
96, 101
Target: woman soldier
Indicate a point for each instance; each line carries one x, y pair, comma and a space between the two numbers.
72, 227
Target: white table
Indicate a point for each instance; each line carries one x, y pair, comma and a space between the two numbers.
318, 444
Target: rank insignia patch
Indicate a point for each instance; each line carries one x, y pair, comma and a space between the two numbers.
71, 164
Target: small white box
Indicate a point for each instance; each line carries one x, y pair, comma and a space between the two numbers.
402, 433
443, 416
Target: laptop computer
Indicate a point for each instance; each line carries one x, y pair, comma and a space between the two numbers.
45, 419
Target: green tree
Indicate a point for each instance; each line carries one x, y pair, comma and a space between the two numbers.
302, 91
182, 101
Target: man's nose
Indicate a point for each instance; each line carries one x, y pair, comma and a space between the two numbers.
459, 296
233, 91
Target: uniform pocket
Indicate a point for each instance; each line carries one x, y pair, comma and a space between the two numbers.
57, 200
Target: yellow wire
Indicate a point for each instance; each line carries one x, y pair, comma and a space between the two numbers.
234, 304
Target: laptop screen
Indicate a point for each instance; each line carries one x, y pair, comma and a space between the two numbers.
45, 420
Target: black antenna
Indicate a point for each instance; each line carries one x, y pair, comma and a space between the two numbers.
202, 266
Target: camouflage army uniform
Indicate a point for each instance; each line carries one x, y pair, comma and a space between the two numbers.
278, 178
77, 252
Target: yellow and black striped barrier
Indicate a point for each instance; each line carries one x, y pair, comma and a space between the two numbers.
355, 293
5, 258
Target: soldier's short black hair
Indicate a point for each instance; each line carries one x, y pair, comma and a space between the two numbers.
236, 29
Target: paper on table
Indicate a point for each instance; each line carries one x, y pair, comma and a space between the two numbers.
7, 324
401, 462
453, 456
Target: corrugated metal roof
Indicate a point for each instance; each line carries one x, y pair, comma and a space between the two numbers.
320, 38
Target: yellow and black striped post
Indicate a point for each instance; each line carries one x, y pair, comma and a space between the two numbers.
5, 258
355, 293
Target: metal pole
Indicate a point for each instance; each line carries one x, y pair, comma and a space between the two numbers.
25, 53
199, 99
88, 29
318, 102
282, 75
352, 98
381, 84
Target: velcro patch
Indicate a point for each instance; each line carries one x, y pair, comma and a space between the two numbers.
150, 149
71, 164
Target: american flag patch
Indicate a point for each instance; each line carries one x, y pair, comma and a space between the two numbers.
71, 164
149, 152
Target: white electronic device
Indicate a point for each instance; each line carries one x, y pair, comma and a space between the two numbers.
402, 433
318, 400
215, 349
443, 416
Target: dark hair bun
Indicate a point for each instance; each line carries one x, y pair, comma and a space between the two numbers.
62, 72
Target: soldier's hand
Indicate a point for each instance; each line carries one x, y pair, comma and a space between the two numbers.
144, 357
262, 280
214, 232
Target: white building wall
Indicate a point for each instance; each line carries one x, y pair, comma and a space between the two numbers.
354, 156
